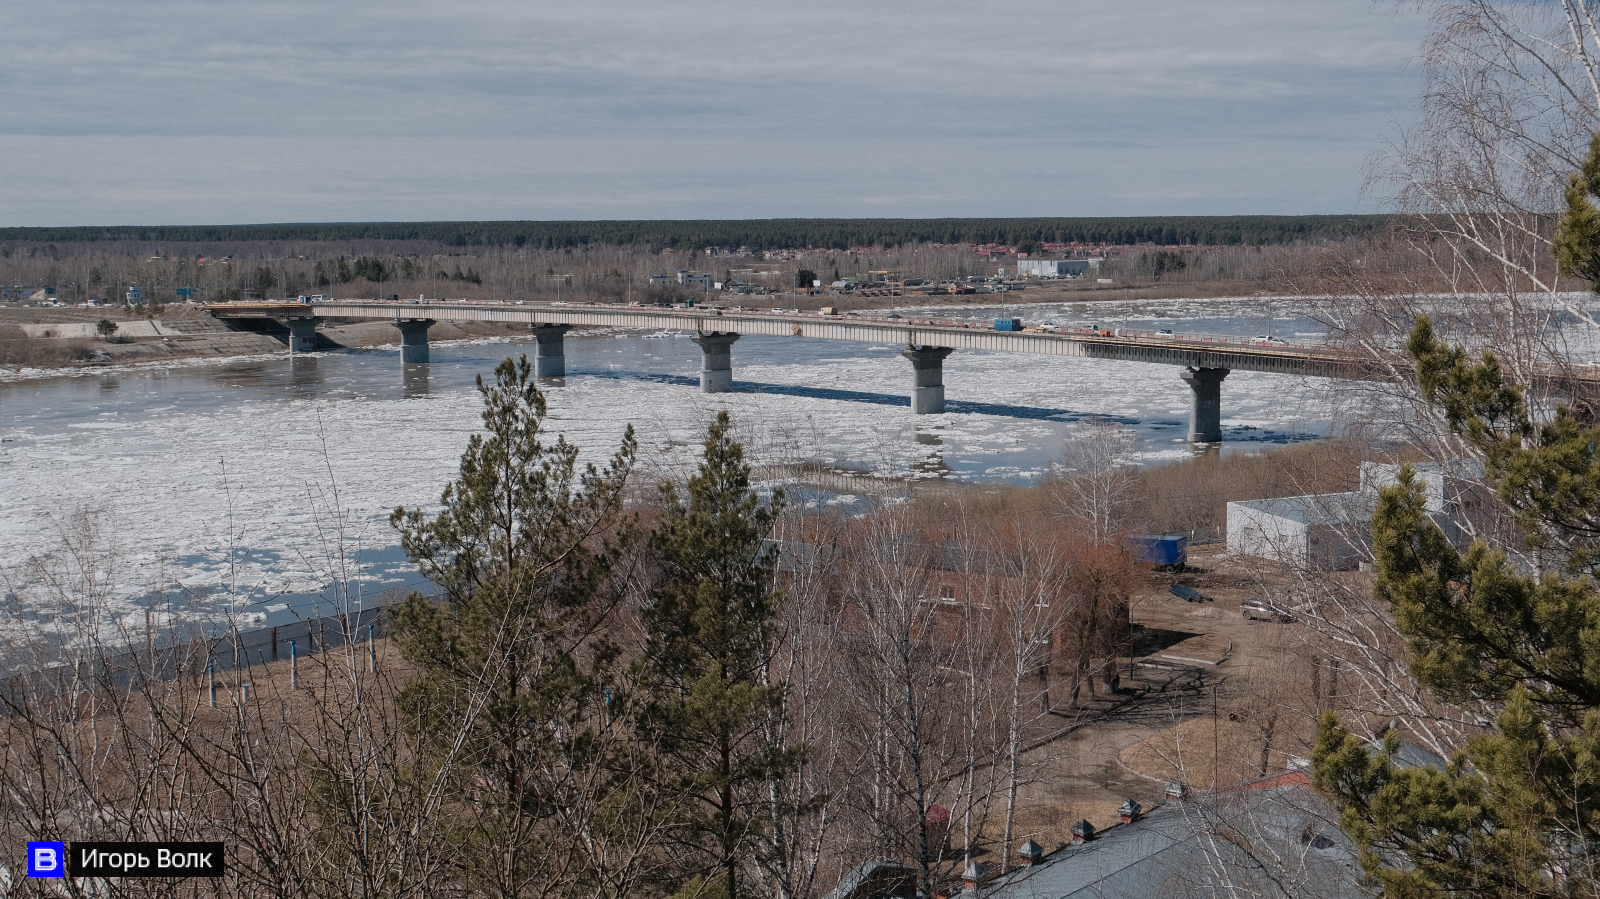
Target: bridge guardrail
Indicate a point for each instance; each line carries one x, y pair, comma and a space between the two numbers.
1185, 340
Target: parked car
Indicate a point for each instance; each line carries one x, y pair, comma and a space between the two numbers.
1264, 610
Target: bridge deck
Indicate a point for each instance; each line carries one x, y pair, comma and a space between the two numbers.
1185, 350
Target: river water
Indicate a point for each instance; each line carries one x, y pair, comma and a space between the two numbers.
247, 485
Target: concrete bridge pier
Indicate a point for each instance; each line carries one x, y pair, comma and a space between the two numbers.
716, 366
1205, 403
302, 335
927, 384
414, 338
549, 353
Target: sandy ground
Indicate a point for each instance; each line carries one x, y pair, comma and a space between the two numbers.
1192, 658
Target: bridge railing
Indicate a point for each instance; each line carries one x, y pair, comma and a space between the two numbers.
1185, 339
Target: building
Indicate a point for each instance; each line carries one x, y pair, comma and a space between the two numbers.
1275, 838
877, 880
1447, 488
696, 280
1329, 532
1324, 532
1055, 268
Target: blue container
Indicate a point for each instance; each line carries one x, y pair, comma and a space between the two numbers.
1008, 324
1159, 549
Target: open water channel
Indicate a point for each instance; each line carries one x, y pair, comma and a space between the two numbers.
241, 486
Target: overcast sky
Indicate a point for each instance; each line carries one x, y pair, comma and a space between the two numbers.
224, 111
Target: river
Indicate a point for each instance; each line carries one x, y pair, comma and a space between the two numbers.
243, 485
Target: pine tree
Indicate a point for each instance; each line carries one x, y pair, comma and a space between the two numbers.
711, 624
517, 684
1518, 812
1577, 243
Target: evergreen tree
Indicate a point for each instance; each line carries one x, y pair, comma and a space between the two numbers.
1518, 812
711, 624
518, 687
1577, 243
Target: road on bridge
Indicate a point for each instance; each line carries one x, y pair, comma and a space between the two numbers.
1205, 359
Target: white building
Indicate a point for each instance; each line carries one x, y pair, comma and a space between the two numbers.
1323, 532
1055, 268
697, 280
1453, 494
1447, 488
1330, 531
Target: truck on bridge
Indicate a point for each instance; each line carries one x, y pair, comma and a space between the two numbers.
1008, 324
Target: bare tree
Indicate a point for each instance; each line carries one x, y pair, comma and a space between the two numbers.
1094, 480
1027, 575
912, 726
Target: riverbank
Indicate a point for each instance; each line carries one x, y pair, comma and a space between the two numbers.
46, 338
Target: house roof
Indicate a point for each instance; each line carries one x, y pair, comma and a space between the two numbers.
874, 879
1272, 838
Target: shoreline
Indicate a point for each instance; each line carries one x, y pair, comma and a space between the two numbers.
205, 340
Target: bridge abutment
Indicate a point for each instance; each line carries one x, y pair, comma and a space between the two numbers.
550, 353
414, 338
302, 335
716, 365
1205, 403
927, 384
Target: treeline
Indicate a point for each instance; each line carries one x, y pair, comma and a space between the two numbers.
372, 270
761, 234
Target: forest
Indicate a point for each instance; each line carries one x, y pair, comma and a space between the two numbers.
759, 234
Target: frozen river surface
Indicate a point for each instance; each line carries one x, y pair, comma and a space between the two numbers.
209, 475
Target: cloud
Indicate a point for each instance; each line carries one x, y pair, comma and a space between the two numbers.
171, 111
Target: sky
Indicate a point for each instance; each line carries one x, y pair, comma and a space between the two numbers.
226, 111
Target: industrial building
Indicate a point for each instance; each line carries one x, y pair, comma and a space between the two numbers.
1329, 531
697, 280
1055, 268
1324, 532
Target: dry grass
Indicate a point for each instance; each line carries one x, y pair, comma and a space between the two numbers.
1194, 494
17, 348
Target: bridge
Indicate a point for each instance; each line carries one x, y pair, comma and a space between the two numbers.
1205, 360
